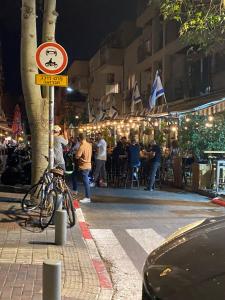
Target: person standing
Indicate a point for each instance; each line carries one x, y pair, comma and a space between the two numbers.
133, 152
83, 156
101, 157
155, 160
59, 141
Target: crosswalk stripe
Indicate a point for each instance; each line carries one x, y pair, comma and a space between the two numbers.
126, 279
147, 238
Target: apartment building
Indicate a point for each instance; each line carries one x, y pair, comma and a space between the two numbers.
71, 103
185, 74
135, 52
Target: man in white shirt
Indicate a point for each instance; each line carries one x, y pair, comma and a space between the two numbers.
101, 157
59, 142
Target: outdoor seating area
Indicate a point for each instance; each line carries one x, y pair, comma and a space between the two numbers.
191, 147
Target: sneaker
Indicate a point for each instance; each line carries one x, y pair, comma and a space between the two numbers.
149, 190
92, 184
85, 200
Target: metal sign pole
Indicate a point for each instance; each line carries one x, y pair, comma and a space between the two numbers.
51, 127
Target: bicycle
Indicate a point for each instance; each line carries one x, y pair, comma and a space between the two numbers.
57, 193
36, 194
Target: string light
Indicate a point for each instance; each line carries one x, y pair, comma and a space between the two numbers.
209, 125
174, 128
210, 118
156, 123
188, 119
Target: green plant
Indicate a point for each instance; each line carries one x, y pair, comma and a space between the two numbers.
202, 22
197, 134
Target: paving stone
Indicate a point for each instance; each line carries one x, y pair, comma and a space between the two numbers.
22, 254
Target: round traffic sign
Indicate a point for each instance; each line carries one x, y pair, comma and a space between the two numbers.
51, 58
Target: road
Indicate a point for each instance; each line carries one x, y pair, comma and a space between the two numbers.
125, 233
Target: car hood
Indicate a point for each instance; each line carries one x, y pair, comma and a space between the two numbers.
191, 265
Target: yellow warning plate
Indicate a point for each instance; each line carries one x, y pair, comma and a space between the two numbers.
51, 80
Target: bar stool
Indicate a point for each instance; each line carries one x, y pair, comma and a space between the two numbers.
133, 177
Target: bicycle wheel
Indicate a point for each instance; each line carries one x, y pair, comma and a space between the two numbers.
68, 204
47, 209
32, 198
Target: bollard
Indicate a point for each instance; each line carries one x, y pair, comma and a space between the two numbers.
59, 202
51, 280
60, 227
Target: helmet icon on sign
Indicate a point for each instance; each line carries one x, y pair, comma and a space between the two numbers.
51, 51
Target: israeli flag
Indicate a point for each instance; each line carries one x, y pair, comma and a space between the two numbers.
136, 97
156, 92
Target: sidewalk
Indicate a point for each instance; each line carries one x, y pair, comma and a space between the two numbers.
142, 196
23, 248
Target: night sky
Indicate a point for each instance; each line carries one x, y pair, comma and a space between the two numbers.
81, 26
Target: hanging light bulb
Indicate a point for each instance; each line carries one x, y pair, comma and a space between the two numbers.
174, 128
188, 119
156, 123
209, 125
210, 118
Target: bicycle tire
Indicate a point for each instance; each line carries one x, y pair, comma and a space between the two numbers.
48, 208
26, 204
68, 204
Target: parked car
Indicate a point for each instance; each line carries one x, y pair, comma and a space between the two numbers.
190, 265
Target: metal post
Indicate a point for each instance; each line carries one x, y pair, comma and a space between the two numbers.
51, 280
51, 127
115, 135
60, 227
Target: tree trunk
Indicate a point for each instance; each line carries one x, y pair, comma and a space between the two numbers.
36, 105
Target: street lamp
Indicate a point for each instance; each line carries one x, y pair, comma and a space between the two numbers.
69, 89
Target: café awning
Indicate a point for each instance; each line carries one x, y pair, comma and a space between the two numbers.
203, 105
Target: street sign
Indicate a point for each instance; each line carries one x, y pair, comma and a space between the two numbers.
51, 80
51, 58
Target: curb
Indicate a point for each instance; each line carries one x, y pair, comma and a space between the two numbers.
219, 201
98, 264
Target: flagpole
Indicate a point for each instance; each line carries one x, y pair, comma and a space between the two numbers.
165, 99
89, 110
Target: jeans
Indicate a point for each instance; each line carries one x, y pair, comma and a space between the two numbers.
85, 179
152, 174
100, 171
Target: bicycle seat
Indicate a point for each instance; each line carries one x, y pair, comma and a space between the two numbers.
59, 172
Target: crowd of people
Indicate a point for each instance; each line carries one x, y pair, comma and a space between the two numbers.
95, 162
15, 162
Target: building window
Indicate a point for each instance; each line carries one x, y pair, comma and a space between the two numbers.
148, 47
110, 78
131, 82
112, 89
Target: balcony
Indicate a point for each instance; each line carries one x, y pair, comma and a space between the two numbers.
146, 13
80, 83
110, 58
144, 51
